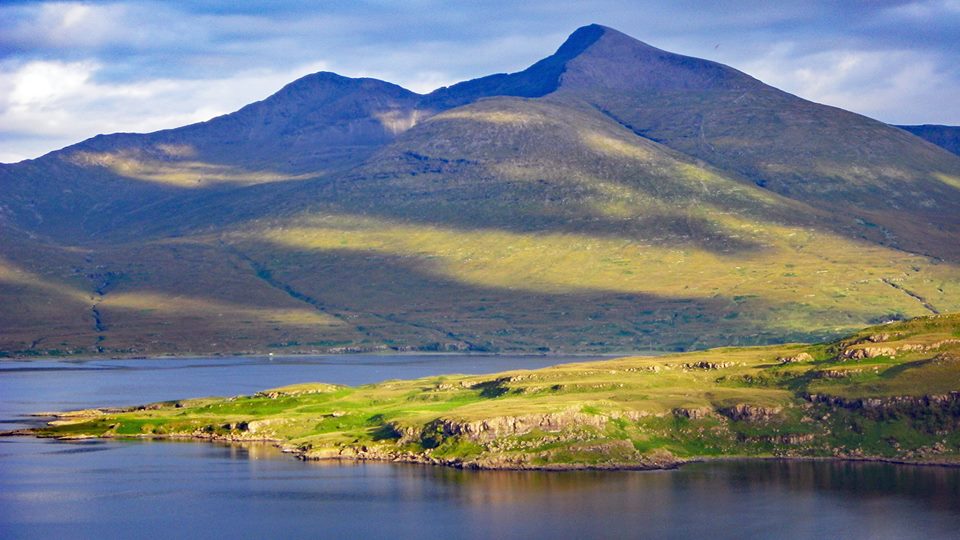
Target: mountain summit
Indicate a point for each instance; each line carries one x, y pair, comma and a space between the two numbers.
595, 58
612, 196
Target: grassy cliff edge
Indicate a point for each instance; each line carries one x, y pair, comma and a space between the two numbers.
889, 392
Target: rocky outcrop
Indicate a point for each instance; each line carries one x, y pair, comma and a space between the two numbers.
786, 439
836, 373
859, 353
692, 413
938, 344
490, 429
703, 364
947, 405
299, 390
867, 352
622, 456
745, 412
801, 357
502, 426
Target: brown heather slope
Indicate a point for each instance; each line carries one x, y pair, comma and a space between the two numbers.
611, 197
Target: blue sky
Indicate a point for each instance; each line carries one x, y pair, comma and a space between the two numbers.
71, 70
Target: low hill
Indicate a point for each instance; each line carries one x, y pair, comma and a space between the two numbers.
888, 392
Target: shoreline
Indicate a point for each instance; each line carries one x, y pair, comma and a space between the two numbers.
412, 459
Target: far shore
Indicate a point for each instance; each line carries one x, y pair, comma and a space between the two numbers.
294, 355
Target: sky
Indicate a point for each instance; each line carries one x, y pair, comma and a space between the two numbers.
72, 70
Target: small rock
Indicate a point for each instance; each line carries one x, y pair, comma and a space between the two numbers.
801, 357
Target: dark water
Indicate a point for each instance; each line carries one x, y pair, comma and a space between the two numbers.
112, 489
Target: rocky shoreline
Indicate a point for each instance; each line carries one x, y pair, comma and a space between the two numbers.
336, 455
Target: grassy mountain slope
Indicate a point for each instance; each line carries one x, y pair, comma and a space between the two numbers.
887, 392
582, 204
663, 245
885, 183
164, 297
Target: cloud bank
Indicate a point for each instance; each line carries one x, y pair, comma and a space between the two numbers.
71, 70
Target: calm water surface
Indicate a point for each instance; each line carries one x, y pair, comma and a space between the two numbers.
60, 385
113, 489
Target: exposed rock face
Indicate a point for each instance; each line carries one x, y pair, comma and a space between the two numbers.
796, 438
802, 357
693, 413
709, 365
493, 428
623, 457
858, 353
868, 352
749, 413
837, 373
913, 406
299, 390
941, 343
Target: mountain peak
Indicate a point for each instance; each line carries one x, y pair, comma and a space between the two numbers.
586, 36
537, 80
580, 40
597, 58
615, 61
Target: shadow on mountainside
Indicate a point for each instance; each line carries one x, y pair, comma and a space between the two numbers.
258, 297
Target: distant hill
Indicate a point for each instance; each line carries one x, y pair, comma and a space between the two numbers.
611, 197
947, 137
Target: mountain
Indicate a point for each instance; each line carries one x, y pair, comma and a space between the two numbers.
317, 125
835, 160
947, 137
612, 196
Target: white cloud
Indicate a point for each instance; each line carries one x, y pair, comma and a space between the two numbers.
924, 10
896, 86
83, 26
46, 101
39, 83
71, 69
51, 104
65, 24
426, 66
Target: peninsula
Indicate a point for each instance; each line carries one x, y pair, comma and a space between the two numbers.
889, 392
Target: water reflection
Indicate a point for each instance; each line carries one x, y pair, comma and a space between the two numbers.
736, 498
90, 488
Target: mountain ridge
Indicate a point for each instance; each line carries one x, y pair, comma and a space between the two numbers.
612, 196
946, 137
